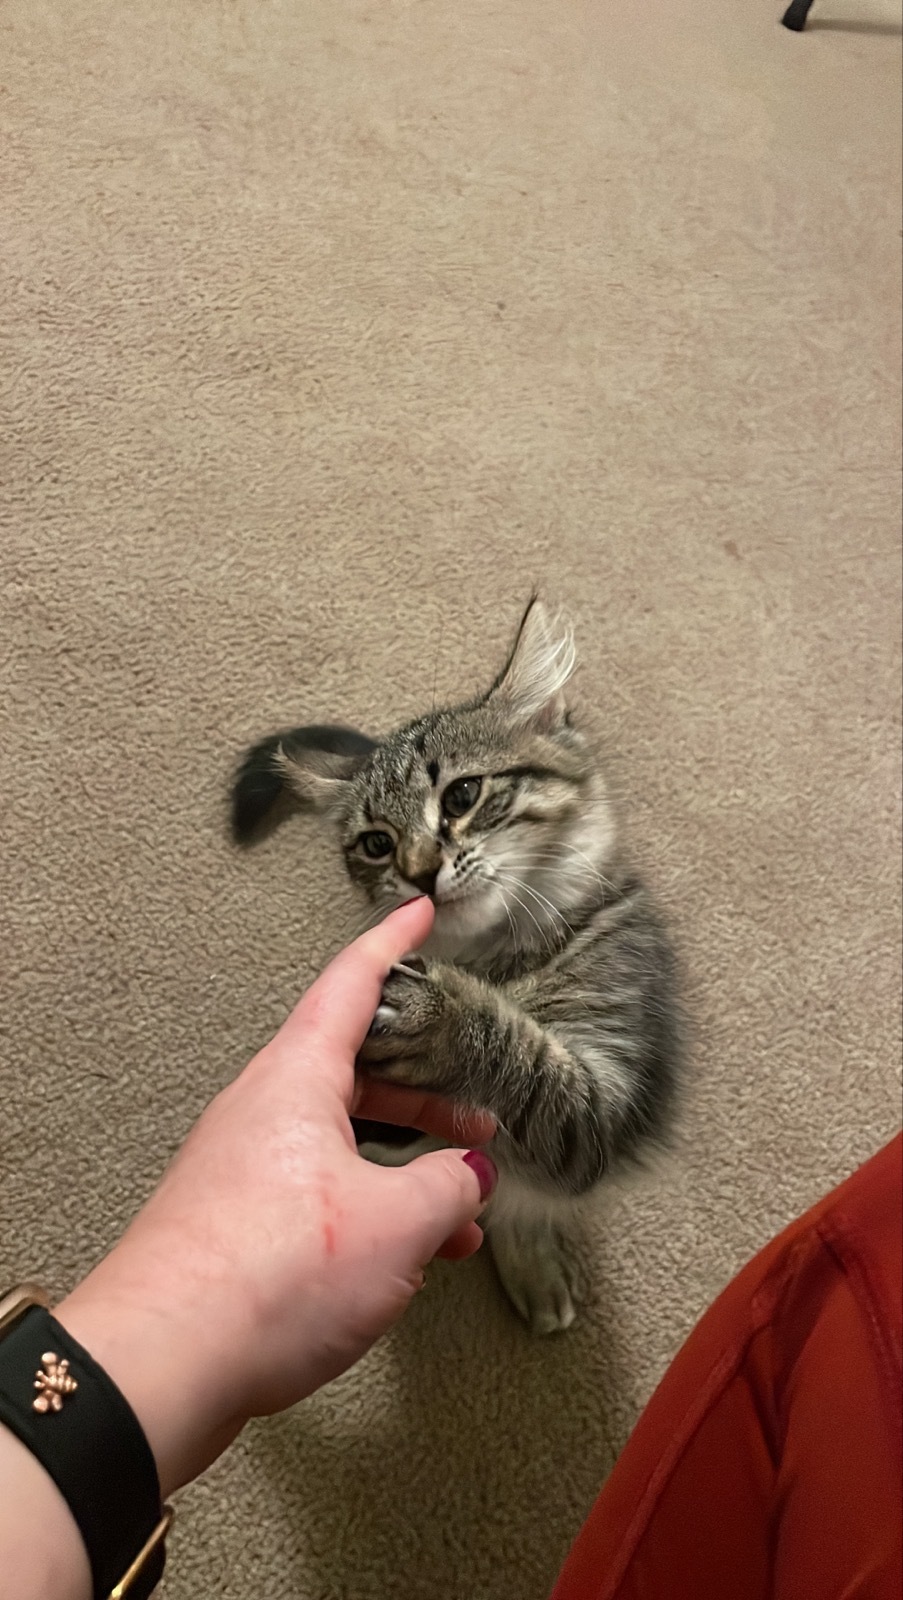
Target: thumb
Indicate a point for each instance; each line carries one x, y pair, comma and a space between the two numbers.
443, 1191
338, 1008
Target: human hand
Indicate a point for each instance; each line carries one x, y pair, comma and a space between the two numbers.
272, 1256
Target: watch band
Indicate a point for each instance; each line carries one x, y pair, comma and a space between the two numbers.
77, 1423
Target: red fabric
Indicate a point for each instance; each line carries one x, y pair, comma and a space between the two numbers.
768, 1465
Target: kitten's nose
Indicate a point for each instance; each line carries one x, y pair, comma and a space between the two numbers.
425, 881
420, 861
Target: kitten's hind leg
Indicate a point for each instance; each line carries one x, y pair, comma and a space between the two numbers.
537, 1260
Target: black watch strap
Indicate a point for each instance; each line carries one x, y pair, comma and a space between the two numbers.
81, 1428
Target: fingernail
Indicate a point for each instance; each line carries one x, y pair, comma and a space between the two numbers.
487, 1172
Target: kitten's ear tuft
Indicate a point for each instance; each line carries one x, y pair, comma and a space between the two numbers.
305, 769
530, 686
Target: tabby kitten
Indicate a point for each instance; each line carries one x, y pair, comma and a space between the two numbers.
545, 995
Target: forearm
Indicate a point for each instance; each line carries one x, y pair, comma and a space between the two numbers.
43, 1554
152, 1346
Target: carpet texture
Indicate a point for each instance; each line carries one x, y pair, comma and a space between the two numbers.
328, 332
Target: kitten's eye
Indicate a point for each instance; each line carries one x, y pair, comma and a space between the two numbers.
461, 796
376, 846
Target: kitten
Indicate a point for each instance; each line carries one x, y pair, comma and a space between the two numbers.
546, 994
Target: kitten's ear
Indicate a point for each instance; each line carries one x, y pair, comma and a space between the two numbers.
530, 686
306, 769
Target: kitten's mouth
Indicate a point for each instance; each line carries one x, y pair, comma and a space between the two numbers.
456, 893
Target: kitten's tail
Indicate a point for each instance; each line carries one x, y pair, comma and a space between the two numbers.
260, 798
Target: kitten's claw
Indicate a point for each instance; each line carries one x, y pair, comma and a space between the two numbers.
411, 966
386, 1018
408, 1025
383, 1021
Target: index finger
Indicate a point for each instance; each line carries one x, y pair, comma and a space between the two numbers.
338, 1008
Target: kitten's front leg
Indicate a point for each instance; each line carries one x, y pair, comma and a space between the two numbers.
437, 1028
445, 1030
559, 1108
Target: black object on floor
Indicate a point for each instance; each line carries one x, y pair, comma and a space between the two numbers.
795, 16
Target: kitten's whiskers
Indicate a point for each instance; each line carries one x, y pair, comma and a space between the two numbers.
525, 908
541, 900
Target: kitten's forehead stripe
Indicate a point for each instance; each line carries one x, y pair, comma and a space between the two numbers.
409, 771
431, 814
538, 774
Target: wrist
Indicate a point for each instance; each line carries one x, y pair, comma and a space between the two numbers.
72, 1419
161, 1360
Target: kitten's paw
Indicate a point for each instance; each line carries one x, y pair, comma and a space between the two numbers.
408, 1020
539, 1276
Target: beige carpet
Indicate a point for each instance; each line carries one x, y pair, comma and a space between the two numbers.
330, 330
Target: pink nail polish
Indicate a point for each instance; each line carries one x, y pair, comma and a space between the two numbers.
487, 1172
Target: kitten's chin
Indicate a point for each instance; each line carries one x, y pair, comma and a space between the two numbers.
474, 914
